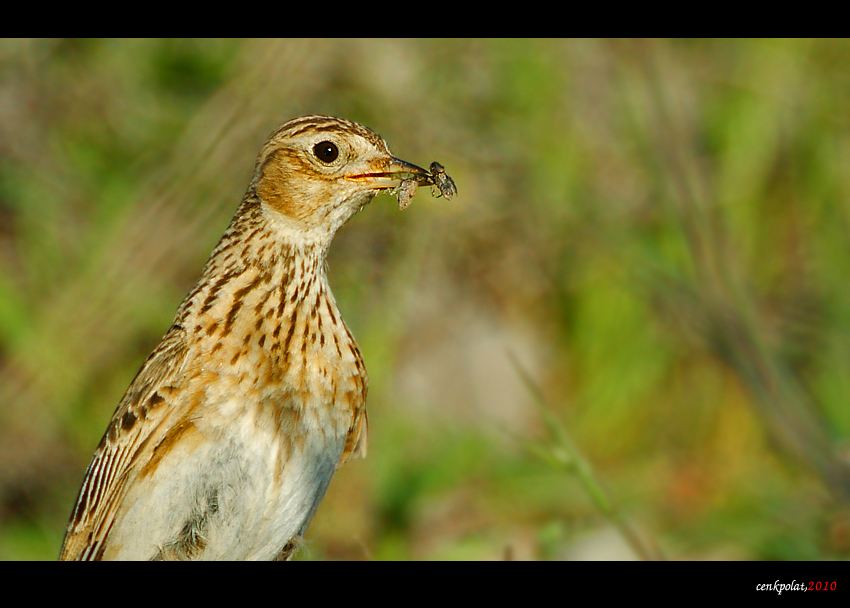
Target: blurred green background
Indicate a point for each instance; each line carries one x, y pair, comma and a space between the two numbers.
627, 337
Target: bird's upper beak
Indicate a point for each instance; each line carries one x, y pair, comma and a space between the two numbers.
390, 174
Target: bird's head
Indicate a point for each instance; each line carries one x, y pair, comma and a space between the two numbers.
319, 171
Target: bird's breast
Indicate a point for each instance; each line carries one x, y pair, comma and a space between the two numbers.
280, 339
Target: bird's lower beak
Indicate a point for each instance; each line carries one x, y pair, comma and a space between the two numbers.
390, 174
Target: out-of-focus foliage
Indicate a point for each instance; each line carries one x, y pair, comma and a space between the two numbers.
656, 232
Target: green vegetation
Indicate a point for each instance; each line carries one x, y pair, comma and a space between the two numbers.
629, 333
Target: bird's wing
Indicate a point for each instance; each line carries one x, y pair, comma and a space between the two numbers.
140, 417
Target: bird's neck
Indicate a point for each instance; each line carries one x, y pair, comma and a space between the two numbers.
259, 254
258, 282
263, 291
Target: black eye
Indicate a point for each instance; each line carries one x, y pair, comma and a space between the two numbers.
326, 151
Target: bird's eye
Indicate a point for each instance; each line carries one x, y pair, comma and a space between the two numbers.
326, 151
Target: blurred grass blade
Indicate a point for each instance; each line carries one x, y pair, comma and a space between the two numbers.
563, 454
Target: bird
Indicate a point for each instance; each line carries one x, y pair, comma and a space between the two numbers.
224, 443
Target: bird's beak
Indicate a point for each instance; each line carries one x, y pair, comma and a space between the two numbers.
391, 173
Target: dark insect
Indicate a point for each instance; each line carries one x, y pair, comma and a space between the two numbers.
441, 179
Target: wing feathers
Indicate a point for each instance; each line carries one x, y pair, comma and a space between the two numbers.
133, 424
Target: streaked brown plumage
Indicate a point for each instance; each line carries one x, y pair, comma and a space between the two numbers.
227, 438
